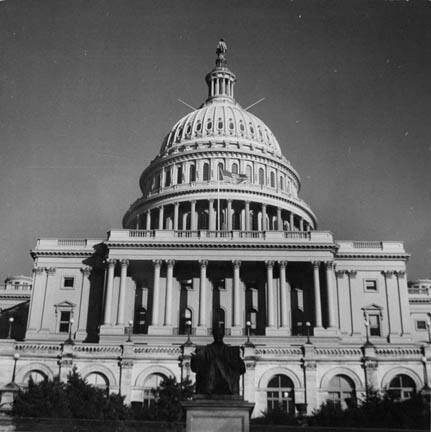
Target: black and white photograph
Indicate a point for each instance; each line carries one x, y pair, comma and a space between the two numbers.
215, 215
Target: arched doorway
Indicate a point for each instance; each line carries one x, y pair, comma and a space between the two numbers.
401, 387
341, 391
150, 385
280, 394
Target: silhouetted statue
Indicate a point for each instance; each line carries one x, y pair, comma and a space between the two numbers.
218, 367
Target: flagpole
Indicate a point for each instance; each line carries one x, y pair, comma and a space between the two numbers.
218, 199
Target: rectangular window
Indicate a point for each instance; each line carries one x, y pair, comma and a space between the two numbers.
371, 285
374, 321
64, 321
68, 282
421, 325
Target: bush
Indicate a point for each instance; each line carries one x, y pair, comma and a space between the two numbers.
376, 411
276, 416
167, 401
74, 399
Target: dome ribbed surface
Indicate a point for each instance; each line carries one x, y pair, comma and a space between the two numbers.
223, 119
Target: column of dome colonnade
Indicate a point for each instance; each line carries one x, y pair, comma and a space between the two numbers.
278, 315
233, 214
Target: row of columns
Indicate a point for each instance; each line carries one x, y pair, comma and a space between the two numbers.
285, 290
285, 294
213, 223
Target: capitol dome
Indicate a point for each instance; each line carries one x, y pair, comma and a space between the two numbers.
220, 168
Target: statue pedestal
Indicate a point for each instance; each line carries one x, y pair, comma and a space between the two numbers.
223, 413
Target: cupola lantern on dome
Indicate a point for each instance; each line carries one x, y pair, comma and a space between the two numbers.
220, 80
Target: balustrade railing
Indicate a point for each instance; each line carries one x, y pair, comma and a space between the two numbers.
367, 244
418, 290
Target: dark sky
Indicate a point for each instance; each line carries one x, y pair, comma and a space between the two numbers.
88, 89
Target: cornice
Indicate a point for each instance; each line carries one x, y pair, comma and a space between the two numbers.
368, 256
221, 245
71, 253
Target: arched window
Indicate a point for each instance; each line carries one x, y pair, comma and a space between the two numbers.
261, 176
98, 380
341, 391
219, 170
280, 394
401, 387
252, 317
151, 383
272, 176
235, 168
179, 174
282, 183
249, 172
192, 173
206, 172
36, 376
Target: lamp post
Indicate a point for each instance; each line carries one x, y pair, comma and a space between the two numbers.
15, 360
429, 330
9, 333
308, 325
69, 339
129, 331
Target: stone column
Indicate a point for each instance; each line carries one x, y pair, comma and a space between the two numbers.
202, 321
229, 215
284, 297
264, 225
109, 291
169, 289
161, 217
403, 300
148, 221
211, 215
271, 296
247, 215
156, 292
331, 294
236, 294
279, 220
193, 222
301, 224
122, 296
176, 213
291, 221
317, 302
81, 332
310, 378
388, 276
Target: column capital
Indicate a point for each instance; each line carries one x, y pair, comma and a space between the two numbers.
229, 200
329, 265
38, 270
309, 364
86, 271
400, 273
111, 261
177, 204
157, 262
50, 270
269, 263
388, 273
124, 262
236, 263
283, 264
211, 200
351, 273
193, 202
316, 264
170, 262
203, 263
340, 273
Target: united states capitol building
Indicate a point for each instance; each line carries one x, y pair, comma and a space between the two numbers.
221, 237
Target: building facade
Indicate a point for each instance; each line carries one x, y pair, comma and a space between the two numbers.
221, 237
